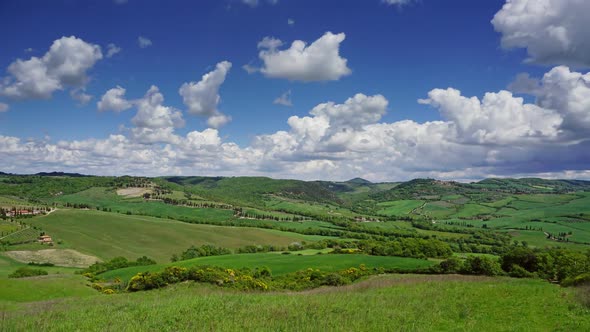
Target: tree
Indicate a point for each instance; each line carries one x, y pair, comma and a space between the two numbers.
520, 256
481, 265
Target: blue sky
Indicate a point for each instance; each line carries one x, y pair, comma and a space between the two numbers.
400, 52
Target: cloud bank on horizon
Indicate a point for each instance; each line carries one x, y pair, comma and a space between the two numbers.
538, 126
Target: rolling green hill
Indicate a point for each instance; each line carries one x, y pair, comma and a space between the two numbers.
107, 235
477, 223
252, 190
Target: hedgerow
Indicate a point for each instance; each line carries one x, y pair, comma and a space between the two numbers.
24, 272
259, 279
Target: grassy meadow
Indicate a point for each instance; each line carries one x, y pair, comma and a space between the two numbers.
61, 282
381, 303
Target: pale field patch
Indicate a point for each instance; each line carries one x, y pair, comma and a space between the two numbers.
59, 257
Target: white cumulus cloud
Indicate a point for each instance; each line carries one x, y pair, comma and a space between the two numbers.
151, 113
114, 100
499, 118
552, 31
64, 65
496, 134
202, 98
319, 61
567, 93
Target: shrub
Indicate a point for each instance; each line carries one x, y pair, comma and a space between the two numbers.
481, 265
117, 263
245, 279
522, 257
582, 279
41, 264
335, 279
24, 272
451, 265
140, 281
516, 271
203, 251
263, 272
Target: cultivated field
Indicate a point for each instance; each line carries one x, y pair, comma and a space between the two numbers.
107, 235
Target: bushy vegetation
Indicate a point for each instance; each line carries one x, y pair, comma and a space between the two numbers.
259, 279
407, 247
24, 272
116, 263
557, 265
202, 251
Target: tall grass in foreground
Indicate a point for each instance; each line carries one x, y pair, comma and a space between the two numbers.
383, 303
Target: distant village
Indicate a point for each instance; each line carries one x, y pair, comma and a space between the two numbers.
22, 212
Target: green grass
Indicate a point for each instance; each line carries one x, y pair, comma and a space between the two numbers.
281, 264
547, 198
439, 209
44, 288
472, 210
9, 202
259, 212
61, 282
499, 203
108, 198
107, 235
539, 240
7, 227
24, 235
305, 208
8, 265
398, 208
553, 213
384, 303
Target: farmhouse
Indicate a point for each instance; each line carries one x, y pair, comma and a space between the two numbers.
23, 212
43, 239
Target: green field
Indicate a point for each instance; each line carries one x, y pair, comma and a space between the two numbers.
437, 210
44, 288
8, 265
383, 303
106, 198
281, 264
7, 227
473, 210
306, 208
61, 282
9, 202
22, 235
398, 208
107, 235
